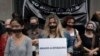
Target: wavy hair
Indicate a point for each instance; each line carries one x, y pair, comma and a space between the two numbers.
59, 30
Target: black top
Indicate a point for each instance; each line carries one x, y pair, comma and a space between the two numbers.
87, 42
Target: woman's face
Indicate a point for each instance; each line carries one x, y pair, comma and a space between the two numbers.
16, 27
70, 22
90, 26
52, 23
33, 24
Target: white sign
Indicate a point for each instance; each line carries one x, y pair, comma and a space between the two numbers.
53, 47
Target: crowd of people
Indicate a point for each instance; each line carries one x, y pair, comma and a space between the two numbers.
20, 39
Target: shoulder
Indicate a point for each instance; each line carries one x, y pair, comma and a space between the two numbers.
43, 34
65, 31
77, 32
83, 37
27, 38
10, 38
28, 41
66, 35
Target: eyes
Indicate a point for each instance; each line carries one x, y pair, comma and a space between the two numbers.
52, 23
90, 26
71, 22
15, 26
33, 23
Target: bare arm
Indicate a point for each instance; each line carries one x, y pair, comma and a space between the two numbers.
86, 49
96, 49
79, 41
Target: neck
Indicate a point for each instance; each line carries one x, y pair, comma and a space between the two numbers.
18, 35
34, 29
69, 28
52, 31
89, 32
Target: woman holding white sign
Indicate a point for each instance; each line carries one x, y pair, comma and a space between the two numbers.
53, 28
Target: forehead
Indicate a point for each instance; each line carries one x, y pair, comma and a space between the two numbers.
33, 20
14, 23
90, 24
52, 20
71, 20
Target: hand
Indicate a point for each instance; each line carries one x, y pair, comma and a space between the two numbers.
76, 45
68, 54
91, 53
95, 53
35, 41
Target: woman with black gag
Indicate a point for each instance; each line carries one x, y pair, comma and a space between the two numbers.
18, 44
90, 40
74, 47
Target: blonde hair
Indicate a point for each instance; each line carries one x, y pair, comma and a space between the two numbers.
59, 31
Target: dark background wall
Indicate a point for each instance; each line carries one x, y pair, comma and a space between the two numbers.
8, 6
